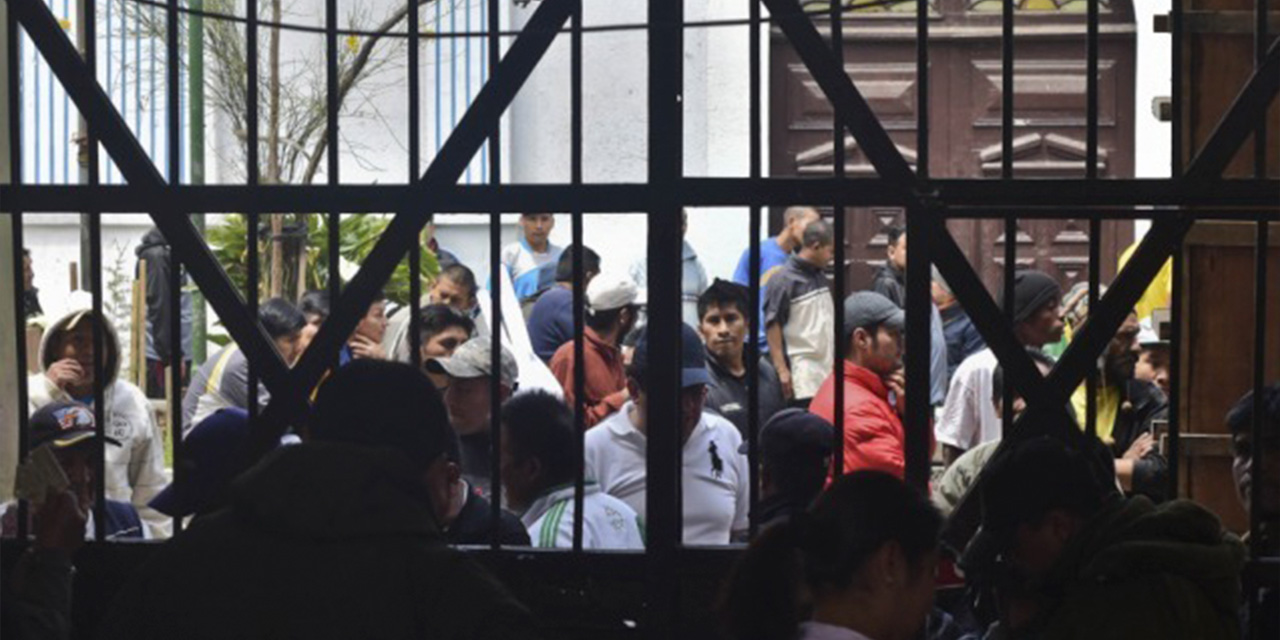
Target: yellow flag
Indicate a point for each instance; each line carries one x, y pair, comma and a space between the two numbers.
353, 43
65, 24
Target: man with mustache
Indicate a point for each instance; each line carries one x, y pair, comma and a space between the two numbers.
1126, 411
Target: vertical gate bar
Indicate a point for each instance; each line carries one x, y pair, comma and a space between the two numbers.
755, 145
14, 93
1176, 88
415, 171
1010, 262
575, 177
173, 156
495, 401
663, 456
99, 372
922, 90
331, 89
1006, 172
253, 176
1091, 91
837, 141
920, 230
1175, 375
1006, 91
331, 134
1257, 460
90, 22
1095, 286
494, 28
1261, 38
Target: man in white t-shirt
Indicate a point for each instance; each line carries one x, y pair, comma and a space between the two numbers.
715, 479
538, 473
968, 416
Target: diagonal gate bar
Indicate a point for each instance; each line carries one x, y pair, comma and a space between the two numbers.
1240, 121
850, 106
110, 128
401, 235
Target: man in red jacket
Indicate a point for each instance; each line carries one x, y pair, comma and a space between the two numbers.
873, 433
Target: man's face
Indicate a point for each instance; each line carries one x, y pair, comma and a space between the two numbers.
519, 475
1043, 326
691, 401
1153, 367
1122, 351
290, 346
77, 463
880, 352
374, 323
443, 344
537, 227
77, 344
448, 292
898, 253
723, 329
822, 255
1242, 473
468, 402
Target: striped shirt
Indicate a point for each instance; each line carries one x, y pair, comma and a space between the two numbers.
607, 522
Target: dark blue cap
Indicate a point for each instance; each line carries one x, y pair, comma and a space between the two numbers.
794, 433
693, 356
63, 424
210, 454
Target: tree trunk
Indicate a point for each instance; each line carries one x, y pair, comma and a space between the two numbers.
277, 255
273, 106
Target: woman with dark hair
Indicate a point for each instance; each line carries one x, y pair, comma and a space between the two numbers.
859, 565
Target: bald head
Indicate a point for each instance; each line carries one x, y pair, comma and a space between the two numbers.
794, 221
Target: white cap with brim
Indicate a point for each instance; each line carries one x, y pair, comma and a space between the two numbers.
609, 291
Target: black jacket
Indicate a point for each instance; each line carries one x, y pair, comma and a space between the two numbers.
1142, 404
320, 541
891, 283
155, 250
474, 524
727, 394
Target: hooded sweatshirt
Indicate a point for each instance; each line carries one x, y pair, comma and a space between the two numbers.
321, 540
1139, 571
134, 471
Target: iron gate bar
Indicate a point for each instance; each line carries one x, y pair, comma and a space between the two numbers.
1256, 460
14, 71
847, 102
579, 346
1260, 39
1006, 92
1088, 344
445, 168
331, 93
994, 325
836, 26
107, 125
253, 176
176, 355
415, 168
1249, 107
99, 374
754, 220
495, 219
922, 227
663, 511
960, 196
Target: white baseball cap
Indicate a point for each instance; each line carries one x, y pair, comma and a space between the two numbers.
609, 291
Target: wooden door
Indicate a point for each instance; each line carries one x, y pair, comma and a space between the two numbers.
965, 104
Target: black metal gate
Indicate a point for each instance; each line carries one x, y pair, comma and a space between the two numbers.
1198, 191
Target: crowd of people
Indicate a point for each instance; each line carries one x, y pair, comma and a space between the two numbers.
394, 463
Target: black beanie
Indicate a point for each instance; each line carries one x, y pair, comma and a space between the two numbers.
1031, 290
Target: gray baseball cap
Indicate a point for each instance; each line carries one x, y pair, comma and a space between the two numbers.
474, 359
866, 308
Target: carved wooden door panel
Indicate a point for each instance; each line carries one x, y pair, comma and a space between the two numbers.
965, 119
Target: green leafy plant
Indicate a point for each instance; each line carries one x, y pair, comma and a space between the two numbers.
309, 233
